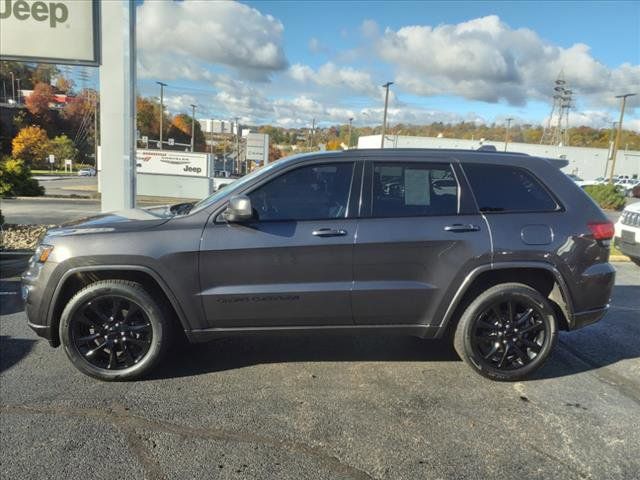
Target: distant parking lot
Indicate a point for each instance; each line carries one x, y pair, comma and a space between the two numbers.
326, 407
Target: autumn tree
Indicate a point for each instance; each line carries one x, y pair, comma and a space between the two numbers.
180, 130
44, 73
38, 102
274, 153
63, 149
148, 118
30, 145
64, 84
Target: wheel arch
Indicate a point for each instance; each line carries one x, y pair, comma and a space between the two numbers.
542, 276
77, 278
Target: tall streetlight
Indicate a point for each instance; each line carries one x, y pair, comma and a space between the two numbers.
619, 134
13, 87
193, 124
384, 118
349, 137
162, 85
506, 133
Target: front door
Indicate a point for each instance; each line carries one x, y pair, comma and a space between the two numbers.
292, 264
416, 236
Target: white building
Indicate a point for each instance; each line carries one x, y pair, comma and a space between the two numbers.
587, 163
209, 125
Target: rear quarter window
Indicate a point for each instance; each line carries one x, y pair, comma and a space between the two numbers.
503, 188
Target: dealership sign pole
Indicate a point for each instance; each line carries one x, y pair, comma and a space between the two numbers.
118, 107
70, 32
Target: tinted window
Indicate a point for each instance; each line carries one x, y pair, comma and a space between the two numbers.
499, 188
413, 189
314, 192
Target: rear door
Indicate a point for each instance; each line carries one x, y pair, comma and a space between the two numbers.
291, 265
419, 234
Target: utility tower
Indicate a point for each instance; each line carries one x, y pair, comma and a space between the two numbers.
556, 131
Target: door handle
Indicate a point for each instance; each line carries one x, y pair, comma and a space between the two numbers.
459, 227
329, 232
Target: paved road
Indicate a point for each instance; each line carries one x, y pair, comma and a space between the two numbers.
327, 407
84, 186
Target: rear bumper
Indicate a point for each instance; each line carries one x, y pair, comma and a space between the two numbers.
582, 319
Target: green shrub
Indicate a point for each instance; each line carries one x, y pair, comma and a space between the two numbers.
15, 179
606, 196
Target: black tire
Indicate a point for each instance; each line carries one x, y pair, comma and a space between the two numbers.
635, 260
126, 345
491, 335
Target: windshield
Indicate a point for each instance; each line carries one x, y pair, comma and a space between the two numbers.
237, 185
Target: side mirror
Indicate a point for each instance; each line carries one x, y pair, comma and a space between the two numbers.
238, 210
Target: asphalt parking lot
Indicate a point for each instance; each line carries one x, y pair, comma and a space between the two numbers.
326, 407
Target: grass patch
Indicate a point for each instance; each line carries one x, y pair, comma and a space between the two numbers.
52, 172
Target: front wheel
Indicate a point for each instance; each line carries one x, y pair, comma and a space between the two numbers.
507, 332
114, 330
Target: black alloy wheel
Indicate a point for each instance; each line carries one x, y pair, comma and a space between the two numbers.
111, 332
509, 334
116, 330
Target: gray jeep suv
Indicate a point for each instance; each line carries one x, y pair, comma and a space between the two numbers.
496, 251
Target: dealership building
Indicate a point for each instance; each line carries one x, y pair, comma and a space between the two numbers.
587, 163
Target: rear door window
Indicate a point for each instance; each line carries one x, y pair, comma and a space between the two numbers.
408, 189
503, 188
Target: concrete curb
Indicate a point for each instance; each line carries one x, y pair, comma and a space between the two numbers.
619, 258
47, 198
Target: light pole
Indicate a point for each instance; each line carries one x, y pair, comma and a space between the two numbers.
619, 134
193, 125
237, 168
18, 82
506, 134
384, 118
349, 138
13, 87
162, 85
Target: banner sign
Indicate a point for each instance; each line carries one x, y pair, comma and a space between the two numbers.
258, 148
168, 162
58, 31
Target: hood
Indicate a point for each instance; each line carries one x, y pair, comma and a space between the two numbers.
120, 221
633, 207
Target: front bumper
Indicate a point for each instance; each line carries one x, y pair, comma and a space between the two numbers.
629, 249
36, 295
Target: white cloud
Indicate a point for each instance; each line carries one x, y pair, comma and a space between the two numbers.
346, 79
188, 37
369, 28
485, 59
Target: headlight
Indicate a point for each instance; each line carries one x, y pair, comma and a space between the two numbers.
42, 253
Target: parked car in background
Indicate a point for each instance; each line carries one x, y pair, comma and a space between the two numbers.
626, 185
497, 252
87, 172
580, 182
627, 236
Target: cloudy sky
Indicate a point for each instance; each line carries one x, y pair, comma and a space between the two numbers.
285, 63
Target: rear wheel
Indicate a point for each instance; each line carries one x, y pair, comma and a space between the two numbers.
114, 330
507, 332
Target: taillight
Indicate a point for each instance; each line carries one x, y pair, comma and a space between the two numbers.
602, 230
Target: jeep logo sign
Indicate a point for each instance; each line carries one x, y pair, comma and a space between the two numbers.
170, 162
59, 31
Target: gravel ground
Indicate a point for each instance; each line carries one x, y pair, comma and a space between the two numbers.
316, 407
21, 237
